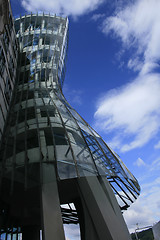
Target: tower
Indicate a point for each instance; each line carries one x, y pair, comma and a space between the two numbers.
50, 156
8, 59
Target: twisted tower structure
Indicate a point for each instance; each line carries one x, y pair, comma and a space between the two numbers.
50, 156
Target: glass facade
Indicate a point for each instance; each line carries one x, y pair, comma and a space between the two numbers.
8, 60
44, 132
42, 127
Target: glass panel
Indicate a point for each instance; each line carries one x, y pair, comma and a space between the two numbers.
48, 136
59, 136
112, 160
33, 175
102, 164
65, 161
20, 143
32, 139
10, 145
81, 153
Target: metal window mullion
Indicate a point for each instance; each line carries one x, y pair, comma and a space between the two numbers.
80, 133
47, 63
111, 154
108, 162
48, 119
17, 234
38, 131
47, 110
26, 135
128, 188
12, 233
26, 127
118, 194
130, 183
85, 141
72, 152
54, 148
64, 129
6, 233
123, 190
62, 122
93, 134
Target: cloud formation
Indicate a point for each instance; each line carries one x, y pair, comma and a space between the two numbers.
138, 29
133, 110
70, 7
139, 162
157, 146
145, 211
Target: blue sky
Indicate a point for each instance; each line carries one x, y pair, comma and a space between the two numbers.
113, 81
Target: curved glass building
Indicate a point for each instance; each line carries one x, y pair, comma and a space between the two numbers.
50, 155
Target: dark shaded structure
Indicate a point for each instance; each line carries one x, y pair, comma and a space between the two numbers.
8, 60
50, 155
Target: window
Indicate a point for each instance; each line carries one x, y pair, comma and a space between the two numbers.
30, 94
48, 136
47, 111
20, 143
36, 40
26, 76
24, 59
8, 90
6, 39
10, 25
15, 48
42, 76
30, 114
18, 96
24, 96
43, 94
11, 66
59, 136
13, 119
21, 77
32, 139
10, 145
2, 61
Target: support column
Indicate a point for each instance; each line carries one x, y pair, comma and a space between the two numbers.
52, 218
102, 220
87, 229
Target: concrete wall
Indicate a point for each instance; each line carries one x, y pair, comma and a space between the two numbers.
156, 231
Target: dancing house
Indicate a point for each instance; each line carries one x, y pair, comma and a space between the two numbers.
50, 157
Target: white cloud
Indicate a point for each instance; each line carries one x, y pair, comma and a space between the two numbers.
70, 7
133, 110
155, 166
138, 213
139, 162
157, 146
145, 211
96, 17
137, 25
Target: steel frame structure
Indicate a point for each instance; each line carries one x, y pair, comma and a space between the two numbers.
49, 150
